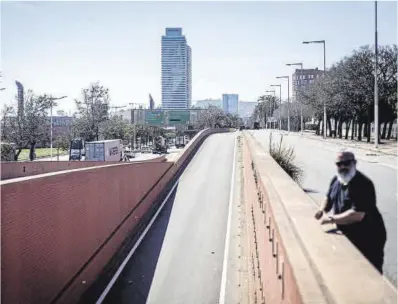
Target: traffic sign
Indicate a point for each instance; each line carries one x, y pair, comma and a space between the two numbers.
178, 117
154, 117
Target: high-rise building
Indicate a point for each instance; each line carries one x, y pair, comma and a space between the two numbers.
302, 78
189, 61
230, 103
176, 70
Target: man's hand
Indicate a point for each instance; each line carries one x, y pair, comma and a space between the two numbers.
326, 220
318, 214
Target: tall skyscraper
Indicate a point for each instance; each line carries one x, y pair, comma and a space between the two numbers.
230, 103
176, 70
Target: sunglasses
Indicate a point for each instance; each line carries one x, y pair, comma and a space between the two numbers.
345, 163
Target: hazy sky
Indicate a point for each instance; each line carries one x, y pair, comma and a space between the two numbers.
237, 47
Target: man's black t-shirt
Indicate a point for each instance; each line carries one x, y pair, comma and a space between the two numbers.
359, 195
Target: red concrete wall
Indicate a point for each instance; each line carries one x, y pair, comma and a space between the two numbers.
52, 225
271, 284
61, 229
22, 169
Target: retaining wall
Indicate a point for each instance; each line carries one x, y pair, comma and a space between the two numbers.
295, 260
60, 229
22, 169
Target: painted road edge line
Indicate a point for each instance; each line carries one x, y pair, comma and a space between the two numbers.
228, 234
126, 260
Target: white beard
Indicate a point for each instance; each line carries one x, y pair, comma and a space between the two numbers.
345, 178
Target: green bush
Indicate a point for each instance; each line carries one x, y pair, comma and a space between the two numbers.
285, 159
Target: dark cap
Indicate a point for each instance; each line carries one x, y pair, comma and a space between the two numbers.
345, 156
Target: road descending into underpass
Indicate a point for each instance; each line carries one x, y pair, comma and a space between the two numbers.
317, 157
181, 259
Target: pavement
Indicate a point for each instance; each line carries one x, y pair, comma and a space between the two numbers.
389, 147
181, 258
316, 158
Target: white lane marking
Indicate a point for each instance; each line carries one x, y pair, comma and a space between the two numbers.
228, 234
125, 261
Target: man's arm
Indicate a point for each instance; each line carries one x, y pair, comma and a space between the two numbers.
347, 217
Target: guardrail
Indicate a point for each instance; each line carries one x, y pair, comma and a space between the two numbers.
295, 261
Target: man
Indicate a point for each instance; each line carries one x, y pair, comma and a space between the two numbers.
352, 197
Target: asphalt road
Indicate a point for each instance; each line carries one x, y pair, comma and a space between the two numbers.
181, 258
316, 158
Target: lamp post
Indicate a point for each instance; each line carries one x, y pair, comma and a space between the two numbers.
280, 102
271, 91
288, 99
301, 104
376, 97
52, 99
324, 72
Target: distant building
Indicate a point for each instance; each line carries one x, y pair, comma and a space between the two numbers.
206, 103
246, 108
230, 103
151, 102
302, 78
61, 125
176, 70
21, 99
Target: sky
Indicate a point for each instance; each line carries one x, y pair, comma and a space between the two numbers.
59, 48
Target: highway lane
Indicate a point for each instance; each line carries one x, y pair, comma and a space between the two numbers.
316, 158
181, 258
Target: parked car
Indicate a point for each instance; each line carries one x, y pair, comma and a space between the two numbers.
146, 150
128, 153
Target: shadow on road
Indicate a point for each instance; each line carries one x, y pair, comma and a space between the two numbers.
135, 281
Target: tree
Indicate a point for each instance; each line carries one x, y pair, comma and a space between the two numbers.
116, 128
93, 109
348, 91
265, 108
30, 128
62, 142
214, 117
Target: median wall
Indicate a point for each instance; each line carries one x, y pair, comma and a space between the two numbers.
295, 261
60, 229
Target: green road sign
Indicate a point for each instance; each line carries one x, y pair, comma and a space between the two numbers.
178, 117
154, 118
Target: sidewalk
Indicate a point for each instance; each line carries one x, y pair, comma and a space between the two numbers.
388, 147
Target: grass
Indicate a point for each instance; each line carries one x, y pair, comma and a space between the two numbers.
285, 159
40, 152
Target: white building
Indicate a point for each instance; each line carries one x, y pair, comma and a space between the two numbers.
176, 70
206, 103
230, 103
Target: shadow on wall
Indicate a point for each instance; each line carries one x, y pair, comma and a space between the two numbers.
134, 283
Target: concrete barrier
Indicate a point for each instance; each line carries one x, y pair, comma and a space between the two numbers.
297, 261
60, 229
22, 169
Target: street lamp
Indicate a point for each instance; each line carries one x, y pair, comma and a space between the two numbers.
324, 72
280, 102
52, 99
288, 99
271, 91
376, 97
301, 104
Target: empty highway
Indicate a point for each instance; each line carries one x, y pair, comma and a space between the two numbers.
183, 259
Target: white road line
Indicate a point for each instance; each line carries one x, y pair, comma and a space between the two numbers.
228, 234
120, 269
